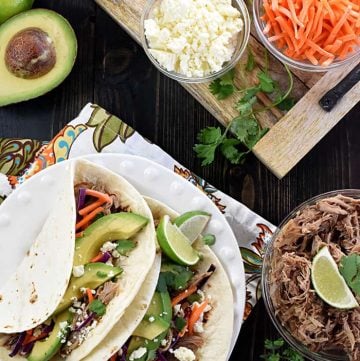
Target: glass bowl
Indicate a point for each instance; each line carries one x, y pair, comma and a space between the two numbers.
301, 65
242, 41
265, 284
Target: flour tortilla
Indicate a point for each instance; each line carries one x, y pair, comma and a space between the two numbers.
218, 329
35, 289
131, 318
135, 267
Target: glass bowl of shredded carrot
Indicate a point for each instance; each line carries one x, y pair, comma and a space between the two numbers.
311, 35
317, 330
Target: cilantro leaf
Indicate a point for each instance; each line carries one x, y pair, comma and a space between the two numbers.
209, 135
267, 85
124, 246
176, 277
209, 138
97, 307
209, 239
230, 152
161, 285
243, 127
350, 270
223, 87
274, 345
250, 64
180, 323
292, 355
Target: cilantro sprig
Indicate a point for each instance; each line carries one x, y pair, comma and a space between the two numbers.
277, 350
350, 270
245, 129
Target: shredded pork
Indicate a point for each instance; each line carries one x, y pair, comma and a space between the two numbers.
332, 222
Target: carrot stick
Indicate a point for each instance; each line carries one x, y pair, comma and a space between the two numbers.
88, 218
113, 357
35, 338
79, 234
97, 258
89, 295
99, 195
195, 315
177, 299
90, 207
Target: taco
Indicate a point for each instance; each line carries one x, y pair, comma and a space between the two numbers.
114, 251
190, 316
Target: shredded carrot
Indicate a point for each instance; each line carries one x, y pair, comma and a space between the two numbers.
90, 207
189, 291
99, 195
88, 218
195, 315
97, 258
79, 234
319, 31
28, 336
89, 295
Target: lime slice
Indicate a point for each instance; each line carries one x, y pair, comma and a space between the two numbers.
328, 282
191, 224
174, 244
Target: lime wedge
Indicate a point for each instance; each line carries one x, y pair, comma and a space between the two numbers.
328, 282
174, 244
191, 224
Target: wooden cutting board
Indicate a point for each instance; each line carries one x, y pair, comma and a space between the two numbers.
291, 135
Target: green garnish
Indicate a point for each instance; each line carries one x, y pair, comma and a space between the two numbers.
350, 270
277, 350
173, 277
124, 246
180, 323
97, 307
195, 297
101, 274
245, 129
209, 239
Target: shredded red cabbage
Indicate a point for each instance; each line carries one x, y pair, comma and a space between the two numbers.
81, 199
124, 353
27, 348
86, 321
105, 257
18, 344
160, 357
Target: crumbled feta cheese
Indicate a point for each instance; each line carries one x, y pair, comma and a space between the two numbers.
201, 294
178, 311
151, 319
163, 342
193, 37
199, 327
82, 289
115, 253
184, 354
140, 352
78, 271
73, 299
108, 247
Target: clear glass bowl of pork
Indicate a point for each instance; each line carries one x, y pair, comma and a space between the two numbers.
318, 331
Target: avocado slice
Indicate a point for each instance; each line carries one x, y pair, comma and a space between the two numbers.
37, 52
95, 274
112, 227
161, 306
153, 324
45, 349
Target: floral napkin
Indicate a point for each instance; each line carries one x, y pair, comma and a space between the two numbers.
94, 131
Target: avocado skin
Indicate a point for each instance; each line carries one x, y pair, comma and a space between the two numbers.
44, 350
92, 278
14, 89
10, 8
163, 302
112, 227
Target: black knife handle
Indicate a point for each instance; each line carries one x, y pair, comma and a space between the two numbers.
329, 100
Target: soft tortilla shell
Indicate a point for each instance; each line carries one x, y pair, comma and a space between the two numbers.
131, 318
34, 291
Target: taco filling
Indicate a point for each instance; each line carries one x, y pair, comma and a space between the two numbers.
104, 232
173, 326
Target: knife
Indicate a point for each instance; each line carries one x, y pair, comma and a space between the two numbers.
330, 99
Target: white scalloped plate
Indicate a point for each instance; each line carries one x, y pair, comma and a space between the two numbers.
21, 211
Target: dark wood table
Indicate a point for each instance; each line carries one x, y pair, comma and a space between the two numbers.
113, 71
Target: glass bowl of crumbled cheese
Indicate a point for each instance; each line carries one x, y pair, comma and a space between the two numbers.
195, 41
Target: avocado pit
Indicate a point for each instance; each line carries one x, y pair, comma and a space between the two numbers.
30, 54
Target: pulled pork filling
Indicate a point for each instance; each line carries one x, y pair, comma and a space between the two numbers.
331, 222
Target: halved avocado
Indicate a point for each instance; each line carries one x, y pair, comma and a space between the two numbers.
37, 52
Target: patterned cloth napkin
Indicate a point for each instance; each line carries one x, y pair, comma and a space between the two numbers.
95, 130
